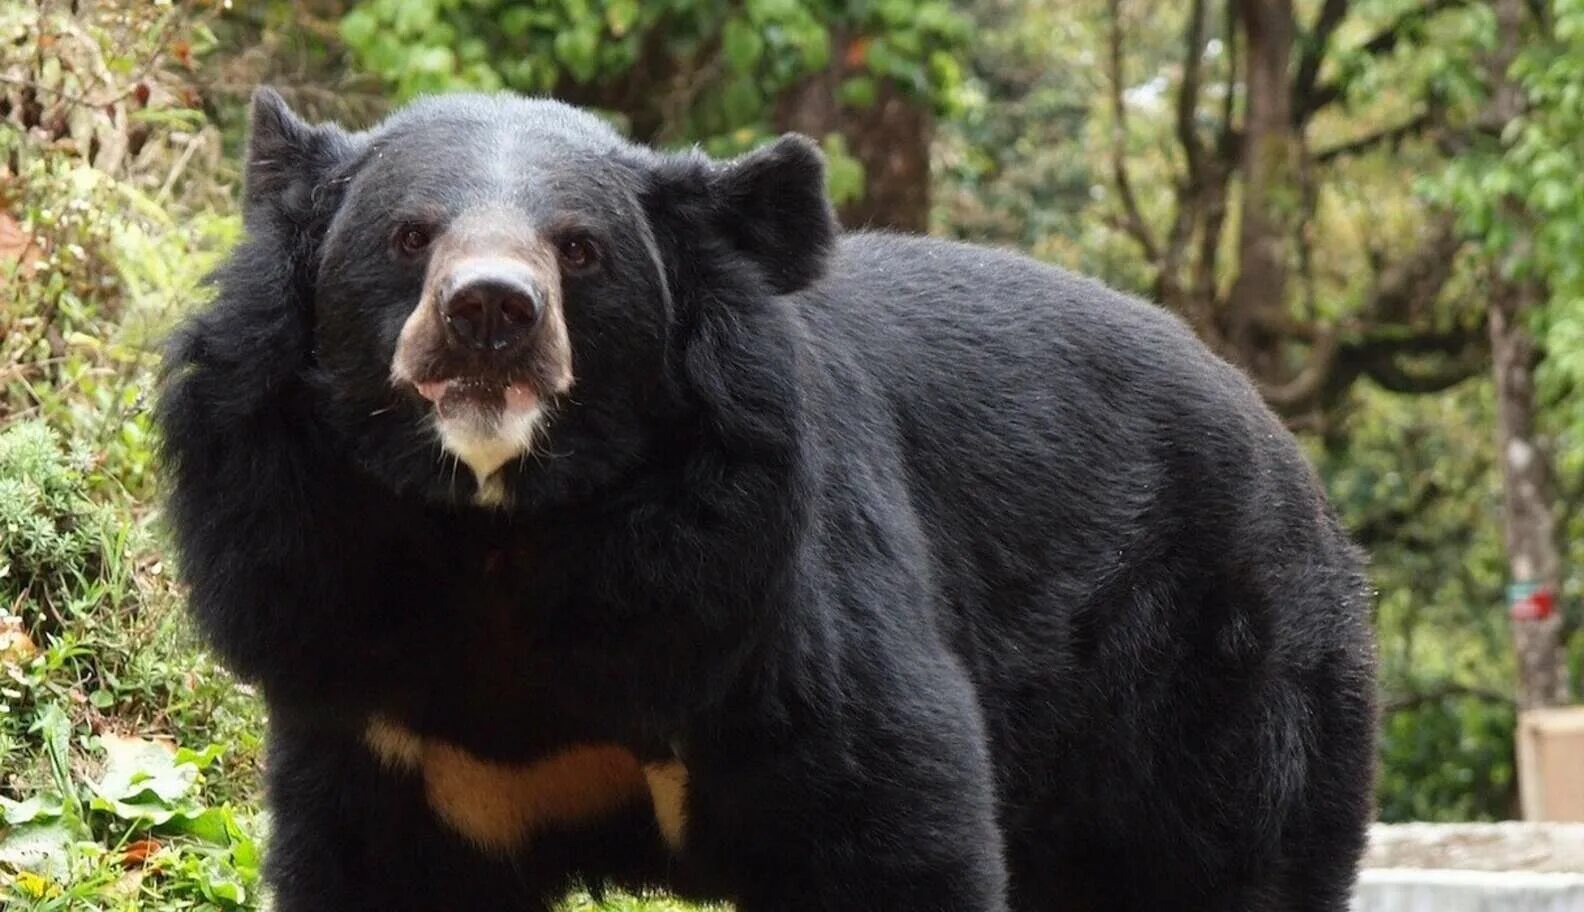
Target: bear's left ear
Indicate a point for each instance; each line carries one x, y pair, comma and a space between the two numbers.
771, 206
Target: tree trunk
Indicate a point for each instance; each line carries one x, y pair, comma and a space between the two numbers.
1532, 554
1257, 304
890, 138
1527, 495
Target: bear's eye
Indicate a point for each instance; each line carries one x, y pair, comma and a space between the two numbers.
412, 240
578, 252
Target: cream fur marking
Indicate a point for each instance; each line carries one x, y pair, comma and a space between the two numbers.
499, 806
668, 790
396, 747
510, 437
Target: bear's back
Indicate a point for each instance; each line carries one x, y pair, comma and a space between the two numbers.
1053, 435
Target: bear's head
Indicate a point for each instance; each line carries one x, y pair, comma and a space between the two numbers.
504, 300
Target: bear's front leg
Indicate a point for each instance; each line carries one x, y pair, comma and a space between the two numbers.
350, 833
884, 800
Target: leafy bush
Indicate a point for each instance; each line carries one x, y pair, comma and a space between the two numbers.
105, 272
52, 536
1448, 759
727, 66
107, 224
738, 57
95, 651
137, 826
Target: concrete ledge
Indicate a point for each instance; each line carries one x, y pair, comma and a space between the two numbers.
1430, 890
1549, 848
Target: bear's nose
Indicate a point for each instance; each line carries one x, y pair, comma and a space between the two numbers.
490, 306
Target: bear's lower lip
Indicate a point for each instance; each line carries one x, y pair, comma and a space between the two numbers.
458, 393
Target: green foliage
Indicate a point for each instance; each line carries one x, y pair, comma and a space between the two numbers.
111, 269
620, 902
137, 827
97, 638
108, 225
725, 65
1525, 186
52, 536
742, 55
1012, 172
1415, 481
1448, 760
1517, 194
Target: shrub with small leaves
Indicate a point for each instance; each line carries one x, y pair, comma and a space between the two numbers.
52, 536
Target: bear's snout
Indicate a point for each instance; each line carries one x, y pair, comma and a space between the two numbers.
490, 305
487, 346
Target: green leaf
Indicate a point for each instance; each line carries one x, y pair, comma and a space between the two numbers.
41, 847
137, 767
358, 28
844, 174
212, 825
513, 22
434, 60
857, 92
742, 44
620, 15
219, 883
577, 50
762, 11
56, 730
742, 100
35, 809
146, 812
202, 759
813, 44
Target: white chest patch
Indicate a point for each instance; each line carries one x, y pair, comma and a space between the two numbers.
484, 449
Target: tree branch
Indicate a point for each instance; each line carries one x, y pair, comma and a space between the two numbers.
1134, 223
1406, 702
1383, 42
1316, 43
1306, 385
1227, 141
1410, 286
1395, 314
1188, 94
1390, 136
1465, 356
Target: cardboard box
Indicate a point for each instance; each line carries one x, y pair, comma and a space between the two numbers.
1551, 763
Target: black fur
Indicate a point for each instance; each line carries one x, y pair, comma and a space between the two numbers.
956, 581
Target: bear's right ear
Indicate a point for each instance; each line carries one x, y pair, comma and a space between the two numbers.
769, 207
287, 158
771, 204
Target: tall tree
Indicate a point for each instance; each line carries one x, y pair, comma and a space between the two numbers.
1528, 495
889, 135
1247, 181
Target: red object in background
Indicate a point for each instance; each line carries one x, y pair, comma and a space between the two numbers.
1530, 601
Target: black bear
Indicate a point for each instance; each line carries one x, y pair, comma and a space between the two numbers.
592, 515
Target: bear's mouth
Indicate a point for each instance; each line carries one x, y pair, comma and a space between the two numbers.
454, 396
